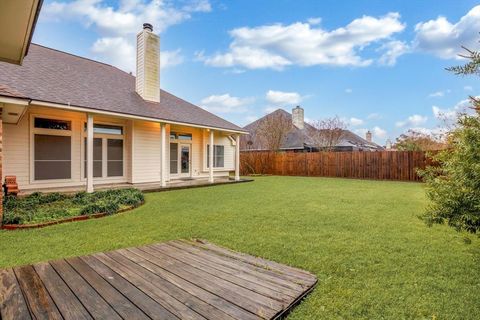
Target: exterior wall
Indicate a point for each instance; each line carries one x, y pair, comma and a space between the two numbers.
18, 149
146, 152
141, 150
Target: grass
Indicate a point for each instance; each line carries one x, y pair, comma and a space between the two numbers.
373, 257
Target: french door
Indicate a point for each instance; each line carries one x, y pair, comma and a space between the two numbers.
180, 159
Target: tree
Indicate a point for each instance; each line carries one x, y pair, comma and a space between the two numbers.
327, 133
272, 131
453, 185
417, 141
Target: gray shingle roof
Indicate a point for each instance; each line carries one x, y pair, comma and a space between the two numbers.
53, 76
300, 138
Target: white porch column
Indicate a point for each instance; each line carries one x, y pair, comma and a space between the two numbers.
210, 158
163, 155
89, 152
237, 158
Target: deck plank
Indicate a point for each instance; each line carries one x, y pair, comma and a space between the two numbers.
161, 296
255, 303
93, 302
39, 302
241, 269
12, 303
147, 261
119, 303
296, 275
251, 283
181, 279
176, 292
153, 309
71, 307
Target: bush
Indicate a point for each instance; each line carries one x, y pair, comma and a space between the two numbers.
39, 207
454, 185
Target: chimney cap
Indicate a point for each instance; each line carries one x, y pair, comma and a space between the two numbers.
148, 26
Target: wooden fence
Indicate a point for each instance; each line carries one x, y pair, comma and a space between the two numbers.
384, 165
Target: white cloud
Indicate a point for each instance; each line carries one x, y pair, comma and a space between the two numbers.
116, 51
225, 103
468, 88
449, 115
374, 116
392, 51
414, 120
348, 90
444, 38
303, 43
314, 21
118, 25
355, 121
438, 94
171, 58
127, 18
281, 98
377, 132
121, 53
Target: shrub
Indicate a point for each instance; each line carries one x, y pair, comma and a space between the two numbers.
39, 207
454, 185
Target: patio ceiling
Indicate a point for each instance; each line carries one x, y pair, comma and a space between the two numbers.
17, 22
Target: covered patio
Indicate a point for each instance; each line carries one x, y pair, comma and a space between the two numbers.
146, 187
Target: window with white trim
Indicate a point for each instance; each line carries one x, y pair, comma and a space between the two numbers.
52, 149
108, 149
218, 156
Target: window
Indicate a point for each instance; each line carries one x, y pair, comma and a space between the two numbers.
42, 123
180, 136
52, 157
218, 156
173, 158
106, 129
97, 157
114, 157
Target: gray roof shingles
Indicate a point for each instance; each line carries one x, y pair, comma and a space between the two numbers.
53, 76
300, 138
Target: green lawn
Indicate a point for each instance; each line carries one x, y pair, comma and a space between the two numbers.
373, 257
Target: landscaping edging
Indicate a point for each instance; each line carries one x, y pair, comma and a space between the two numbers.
71, 219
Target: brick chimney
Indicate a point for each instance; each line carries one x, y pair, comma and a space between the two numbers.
298, 118
147, 81
368, 136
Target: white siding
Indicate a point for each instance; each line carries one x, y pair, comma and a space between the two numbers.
146, 152
141, 144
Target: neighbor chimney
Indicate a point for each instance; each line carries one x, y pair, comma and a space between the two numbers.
147, 81
298, 118
368, 136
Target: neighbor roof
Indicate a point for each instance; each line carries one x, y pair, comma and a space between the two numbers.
49, 75
300, 138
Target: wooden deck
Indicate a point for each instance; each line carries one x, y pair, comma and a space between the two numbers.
173, 280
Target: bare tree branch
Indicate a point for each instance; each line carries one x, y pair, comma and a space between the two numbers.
327, 133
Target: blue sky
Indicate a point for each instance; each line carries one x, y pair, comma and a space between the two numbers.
379, 65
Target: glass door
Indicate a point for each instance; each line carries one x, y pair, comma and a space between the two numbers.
185, 159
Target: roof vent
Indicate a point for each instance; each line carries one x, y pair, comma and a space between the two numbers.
148, 26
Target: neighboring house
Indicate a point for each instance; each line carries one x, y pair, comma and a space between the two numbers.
70, 122
299, 138
17, 23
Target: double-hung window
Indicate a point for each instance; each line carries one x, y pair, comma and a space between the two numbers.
52, 149
218, 156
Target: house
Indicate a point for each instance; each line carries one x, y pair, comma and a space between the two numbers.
300, 137
71, 122
17, 22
